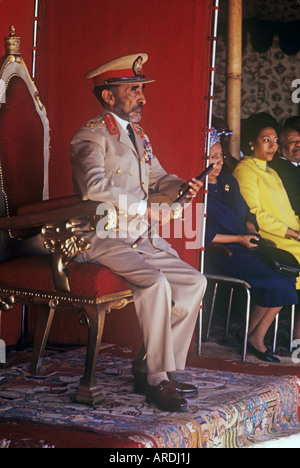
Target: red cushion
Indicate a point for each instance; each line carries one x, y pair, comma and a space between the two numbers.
86, 279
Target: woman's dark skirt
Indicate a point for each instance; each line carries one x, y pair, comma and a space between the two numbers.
269, 287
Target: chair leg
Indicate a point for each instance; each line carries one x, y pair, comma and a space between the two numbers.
41, 337
22, 340
248, 310
212, 311
199, 330
88, 393
275, 333
228, 316
293, 310
292, 327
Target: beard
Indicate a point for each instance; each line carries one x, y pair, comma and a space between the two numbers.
134, 115
296, 155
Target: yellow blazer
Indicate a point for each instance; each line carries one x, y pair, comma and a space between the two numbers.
266, 197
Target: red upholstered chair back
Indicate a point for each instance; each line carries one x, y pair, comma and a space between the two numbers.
21, 147
24, 139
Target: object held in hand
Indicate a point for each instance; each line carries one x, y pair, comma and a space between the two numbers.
174, 205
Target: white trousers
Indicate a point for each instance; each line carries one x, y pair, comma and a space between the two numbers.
167, 295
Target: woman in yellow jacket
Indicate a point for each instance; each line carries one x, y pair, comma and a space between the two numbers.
264, 192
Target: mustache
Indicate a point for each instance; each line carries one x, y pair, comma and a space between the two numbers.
138, 107
136, 113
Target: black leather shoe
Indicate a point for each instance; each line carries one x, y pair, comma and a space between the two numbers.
267, 356
140, 382
186, 390
165, 397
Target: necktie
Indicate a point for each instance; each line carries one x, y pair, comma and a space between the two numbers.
131, 135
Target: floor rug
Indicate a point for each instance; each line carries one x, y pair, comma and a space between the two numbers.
231, 409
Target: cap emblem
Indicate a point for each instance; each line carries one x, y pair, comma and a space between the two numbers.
138, 66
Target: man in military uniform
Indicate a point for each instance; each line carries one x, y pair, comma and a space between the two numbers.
113, 163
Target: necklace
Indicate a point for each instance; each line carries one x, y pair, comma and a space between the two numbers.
259, 167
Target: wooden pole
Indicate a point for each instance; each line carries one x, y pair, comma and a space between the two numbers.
234, 74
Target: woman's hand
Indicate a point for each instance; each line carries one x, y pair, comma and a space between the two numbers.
247, 241
291, 234
242, 240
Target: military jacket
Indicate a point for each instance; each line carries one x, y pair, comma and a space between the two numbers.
109, 169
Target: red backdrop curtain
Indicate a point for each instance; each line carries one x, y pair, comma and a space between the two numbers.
19, 13
77, 36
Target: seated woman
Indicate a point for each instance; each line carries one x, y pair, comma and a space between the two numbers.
264, 192
230, 222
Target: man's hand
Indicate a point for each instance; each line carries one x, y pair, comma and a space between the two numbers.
195, 185
161, 213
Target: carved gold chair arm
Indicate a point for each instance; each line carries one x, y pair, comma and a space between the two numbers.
42, 217
66, 239
64, 242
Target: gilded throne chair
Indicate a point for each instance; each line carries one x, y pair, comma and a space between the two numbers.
28, 277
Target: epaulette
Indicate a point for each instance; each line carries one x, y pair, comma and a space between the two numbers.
94, 123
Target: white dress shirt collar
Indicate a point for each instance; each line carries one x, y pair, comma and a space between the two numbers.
121, 121
292, 162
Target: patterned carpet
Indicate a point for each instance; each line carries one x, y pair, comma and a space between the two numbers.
231, 409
